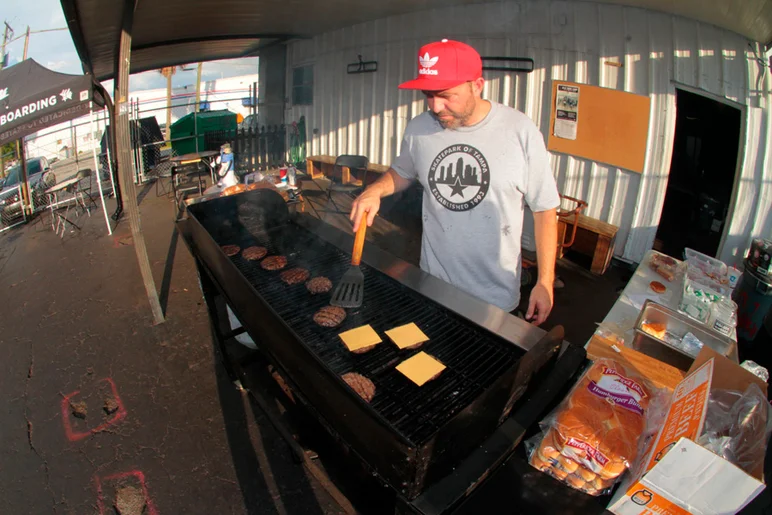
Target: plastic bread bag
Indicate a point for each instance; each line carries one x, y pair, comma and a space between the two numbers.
594, 435
737, 427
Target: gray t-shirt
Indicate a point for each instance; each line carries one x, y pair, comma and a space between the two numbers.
476, 182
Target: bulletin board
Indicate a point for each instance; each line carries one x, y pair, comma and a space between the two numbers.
611, 127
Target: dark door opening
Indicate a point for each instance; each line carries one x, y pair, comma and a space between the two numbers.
702, 174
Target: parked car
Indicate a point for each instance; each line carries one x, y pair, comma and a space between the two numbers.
250, 122
39, 178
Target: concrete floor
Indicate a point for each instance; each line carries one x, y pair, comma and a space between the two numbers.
76, 327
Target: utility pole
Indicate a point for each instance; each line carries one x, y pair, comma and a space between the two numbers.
26, 44
198, 86
7, 34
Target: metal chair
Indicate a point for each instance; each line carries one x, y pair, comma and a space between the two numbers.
346, 165
83, 192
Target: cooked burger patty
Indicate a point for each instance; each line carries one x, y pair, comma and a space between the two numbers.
274, 262
360, 384
294, 275
230, 250
330, 316
319, 285
254, 253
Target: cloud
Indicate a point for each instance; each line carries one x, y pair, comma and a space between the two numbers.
57, 19
58, 65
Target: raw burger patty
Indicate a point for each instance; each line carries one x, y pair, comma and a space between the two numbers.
319, 285
230, 250
254, 253
360, 384
330, 316
274, 262
294, 275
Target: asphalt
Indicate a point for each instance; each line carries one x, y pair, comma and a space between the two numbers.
103, 408
75, 328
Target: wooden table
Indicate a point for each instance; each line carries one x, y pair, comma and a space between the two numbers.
206, 157
324, 166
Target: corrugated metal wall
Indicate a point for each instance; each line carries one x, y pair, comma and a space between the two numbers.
569, 40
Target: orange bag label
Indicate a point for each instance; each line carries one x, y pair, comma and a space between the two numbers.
652, 503
686, 413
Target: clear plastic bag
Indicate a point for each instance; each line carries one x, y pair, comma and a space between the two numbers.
591, 439
737, 427
756, 369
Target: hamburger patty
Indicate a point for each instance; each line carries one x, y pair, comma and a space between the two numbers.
330, 316
294, 275
360, 384
230, 250
274, 262
319, 285
254, 253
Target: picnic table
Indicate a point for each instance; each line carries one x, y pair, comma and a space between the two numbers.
324, 166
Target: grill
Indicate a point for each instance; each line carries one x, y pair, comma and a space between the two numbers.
410, 436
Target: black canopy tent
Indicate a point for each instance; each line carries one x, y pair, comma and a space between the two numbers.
33, 97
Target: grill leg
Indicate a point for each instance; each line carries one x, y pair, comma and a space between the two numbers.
217, 317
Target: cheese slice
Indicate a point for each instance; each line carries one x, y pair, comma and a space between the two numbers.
361, 337
420, 368
406, 335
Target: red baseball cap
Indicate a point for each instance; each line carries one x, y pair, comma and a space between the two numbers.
445, 64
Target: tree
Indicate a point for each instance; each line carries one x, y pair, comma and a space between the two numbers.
7, 153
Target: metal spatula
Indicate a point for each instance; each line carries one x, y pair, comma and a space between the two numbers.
350, 291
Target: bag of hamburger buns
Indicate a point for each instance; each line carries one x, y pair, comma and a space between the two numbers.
593, 436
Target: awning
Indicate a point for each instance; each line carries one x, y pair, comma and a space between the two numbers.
174, 32
33, 97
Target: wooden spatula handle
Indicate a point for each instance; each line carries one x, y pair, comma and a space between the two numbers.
359, 242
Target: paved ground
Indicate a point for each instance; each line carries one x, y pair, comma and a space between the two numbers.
75, 328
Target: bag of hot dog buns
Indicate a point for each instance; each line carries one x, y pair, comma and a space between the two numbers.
595, 434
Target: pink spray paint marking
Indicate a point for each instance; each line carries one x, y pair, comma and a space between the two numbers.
136, 475
73, 435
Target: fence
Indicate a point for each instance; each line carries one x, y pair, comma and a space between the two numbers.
253, 149
11, 213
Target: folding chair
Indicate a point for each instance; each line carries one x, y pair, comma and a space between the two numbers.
346, 165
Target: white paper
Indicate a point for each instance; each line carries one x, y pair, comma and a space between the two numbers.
566, 111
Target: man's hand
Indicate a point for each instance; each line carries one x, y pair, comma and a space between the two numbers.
539, 304
366, 205
370, 200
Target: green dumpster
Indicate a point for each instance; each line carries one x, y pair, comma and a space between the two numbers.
183, 130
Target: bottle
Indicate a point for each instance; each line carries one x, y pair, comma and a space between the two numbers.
291, 176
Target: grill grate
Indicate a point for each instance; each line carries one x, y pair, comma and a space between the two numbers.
474, 358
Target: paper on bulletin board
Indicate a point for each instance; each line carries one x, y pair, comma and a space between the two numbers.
566, 111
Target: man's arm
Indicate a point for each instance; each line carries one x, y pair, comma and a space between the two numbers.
370, 200
546, 233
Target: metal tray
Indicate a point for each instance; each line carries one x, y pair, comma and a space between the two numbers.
677, 325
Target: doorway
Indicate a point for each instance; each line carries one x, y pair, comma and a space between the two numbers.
702, 175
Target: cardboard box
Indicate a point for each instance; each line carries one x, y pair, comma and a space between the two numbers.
679, 476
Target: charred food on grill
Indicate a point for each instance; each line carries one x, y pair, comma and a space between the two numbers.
319, 285
254, 253
330, 316
360, 384
274, 262
294, 275
230, 250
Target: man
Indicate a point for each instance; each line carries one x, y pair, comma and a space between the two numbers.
479, 163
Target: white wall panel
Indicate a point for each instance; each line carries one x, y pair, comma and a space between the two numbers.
568, 40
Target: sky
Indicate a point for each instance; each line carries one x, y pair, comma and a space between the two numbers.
56, 51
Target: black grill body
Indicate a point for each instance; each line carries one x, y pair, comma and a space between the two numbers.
410, 436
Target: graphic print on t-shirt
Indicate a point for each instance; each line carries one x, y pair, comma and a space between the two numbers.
459, 177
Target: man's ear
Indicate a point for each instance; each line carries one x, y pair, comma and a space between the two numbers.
477, 86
